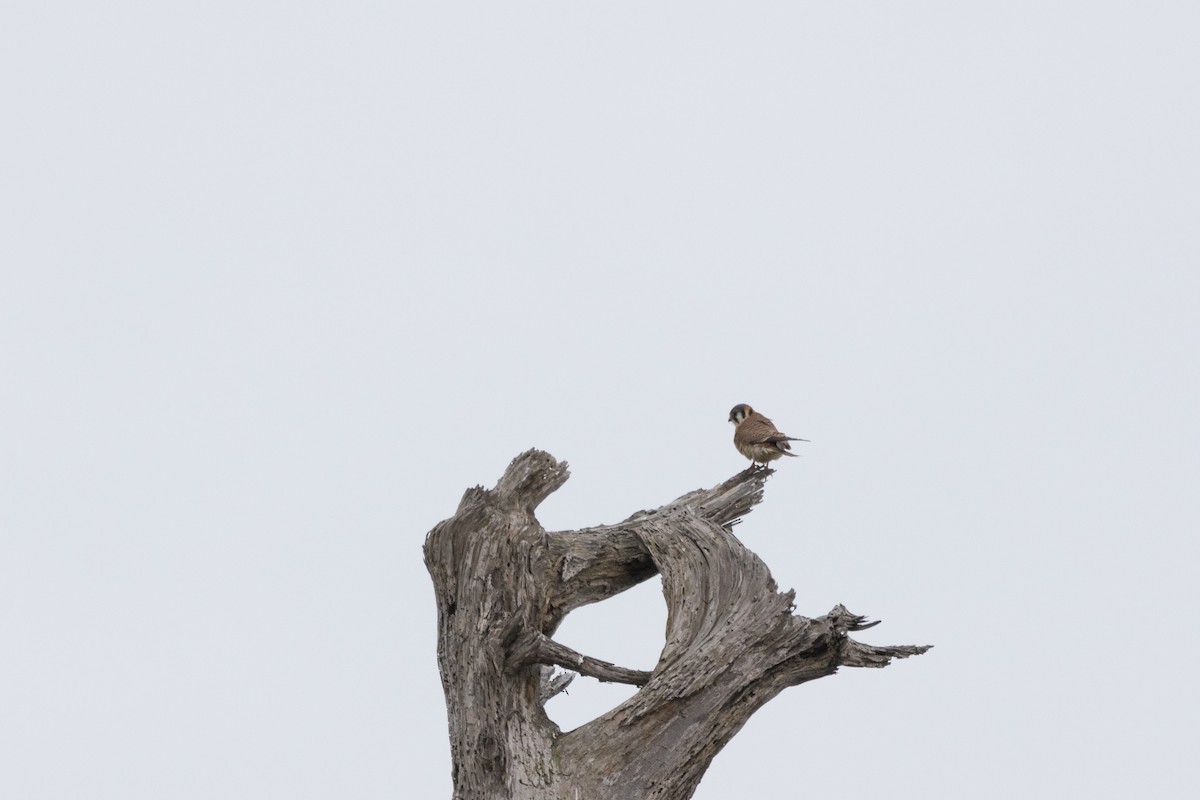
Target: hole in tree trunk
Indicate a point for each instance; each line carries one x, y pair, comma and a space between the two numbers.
626, 630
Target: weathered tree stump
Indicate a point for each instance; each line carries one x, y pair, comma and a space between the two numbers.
504, 584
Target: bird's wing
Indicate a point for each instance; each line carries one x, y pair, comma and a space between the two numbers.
757, 431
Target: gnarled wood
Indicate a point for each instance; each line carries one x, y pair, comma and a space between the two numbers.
504, 584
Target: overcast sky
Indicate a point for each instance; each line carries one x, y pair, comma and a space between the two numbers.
279, 281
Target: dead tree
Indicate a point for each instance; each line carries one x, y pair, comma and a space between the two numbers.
504, 584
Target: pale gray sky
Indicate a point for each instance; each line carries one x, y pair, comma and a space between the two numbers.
281, 280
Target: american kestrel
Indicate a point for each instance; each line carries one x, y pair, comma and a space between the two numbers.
757, 438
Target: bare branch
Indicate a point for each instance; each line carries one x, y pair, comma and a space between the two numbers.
551, 652
600, 562
857, 654
541, 649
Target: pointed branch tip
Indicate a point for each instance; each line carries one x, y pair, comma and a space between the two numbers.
857, 654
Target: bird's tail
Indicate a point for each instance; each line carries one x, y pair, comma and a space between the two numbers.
781, 444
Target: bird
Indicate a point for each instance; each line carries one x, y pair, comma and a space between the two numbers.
757, 438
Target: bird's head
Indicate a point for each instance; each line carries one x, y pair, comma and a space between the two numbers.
739, 413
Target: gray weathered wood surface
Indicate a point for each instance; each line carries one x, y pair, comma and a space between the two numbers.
504, 584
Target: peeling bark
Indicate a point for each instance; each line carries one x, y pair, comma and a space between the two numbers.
504, 584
